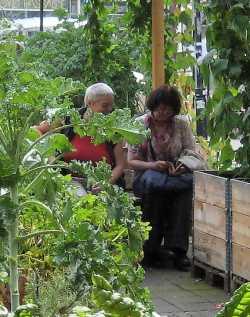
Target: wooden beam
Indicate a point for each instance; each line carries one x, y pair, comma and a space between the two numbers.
158, 73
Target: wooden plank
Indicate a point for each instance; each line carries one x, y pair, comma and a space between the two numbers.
236, 282
212, 276
240, 196
210, 250
210, 189
241, 229
210, 219
241, 261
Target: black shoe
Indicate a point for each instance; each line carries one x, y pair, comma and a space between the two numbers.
167, 254
155, 260
182, 263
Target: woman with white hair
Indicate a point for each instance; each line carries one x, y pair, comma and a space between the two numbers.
98, 98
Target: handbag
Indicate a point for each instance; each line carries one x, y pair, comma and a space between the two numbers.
152, 181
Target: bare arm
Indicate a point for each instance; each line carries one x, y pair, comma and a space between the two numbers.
43, 127
136, 163
120, 163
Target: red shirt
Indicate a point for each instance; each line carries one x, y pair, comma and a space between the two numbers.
85, 150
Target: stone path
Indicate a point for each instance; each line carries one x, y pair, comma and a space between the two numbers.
177, 294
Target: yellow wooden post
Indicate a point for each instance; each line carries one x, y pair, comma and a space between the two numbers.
158, 74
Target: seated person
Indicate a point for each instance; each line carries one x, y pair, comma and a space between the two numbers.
163, 179
98, 98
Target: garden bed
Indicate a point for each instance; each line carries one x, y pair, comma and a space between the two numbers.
240, 228
211, 221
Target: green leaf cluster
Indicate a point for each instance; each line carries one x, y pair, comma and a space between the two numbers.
239, 304
48, 227
226, 69
97, 51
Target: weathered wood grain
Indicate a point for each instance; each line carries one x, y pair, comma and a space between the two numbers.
210, 189
241, 261
210, 250
210, 219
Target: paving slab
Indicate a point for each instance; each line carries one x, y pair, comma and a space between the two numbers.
178, 294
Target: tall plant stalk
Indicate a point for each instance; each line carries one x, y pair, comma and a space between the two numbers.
13, 253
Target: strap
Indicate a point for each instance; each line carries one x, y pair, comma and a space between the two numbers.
152, 152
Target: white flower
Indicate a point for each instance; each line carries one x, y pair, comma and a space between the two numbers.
116, 296
128, 301
241, 89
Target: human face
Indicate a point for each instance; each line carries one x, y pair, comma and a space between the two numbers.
163, 113
102, 104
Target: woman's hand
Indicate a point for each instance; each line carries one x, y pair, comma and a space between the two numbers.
163, 166
95, 189
179, 169
43, 127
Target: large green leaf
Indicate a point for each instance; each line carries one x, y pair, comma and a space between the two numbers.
239, 304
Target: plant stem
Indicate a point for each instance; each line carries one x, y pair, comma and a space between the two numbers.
45, 135
13, 254
39, 233
43, 167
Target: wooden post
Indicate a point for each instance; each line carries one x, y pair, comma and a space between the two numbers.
158, 73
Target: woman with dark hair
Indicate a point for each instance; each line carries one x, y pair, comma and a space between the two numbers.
163, 165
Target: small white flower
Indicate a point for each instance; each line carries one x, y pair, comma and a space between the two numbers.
241, 89
128, 301
116, 296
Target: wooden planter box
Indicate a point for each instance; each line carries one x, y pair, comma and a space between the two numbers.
241, 228
211, 222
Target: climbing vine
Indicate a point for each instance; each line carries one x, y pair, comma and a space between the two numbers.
225, 68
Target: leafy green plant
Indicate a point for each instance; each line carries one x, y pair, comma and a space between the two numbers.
239, 304
96, 52
225, 67
178, 37
24, 97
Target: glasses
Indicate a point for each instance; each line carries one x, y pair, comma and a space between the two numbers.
166, 111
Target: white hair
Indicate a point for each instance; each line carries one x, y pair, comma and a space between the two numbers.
97, 90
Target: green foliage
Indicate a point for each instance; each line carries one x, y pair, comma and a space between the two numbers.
96, 52
226, 67
239, 304
178, 37
48, 226
102, 235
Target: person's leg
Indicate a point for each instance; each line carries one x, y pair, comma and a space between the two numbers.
153, 213
177, 226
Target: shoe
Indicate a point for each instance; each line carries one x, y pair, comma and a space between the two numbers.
167, 254
182, 263
155, 260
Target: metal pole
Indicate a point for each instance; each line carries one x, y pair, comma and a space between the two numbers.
158, 72
200, 97
41, 15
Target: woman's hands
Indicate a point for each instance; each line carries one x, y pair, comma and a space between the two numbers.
166, 166
162, 166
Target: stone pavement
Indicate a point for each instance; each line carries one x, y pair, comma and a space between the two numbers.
177, 294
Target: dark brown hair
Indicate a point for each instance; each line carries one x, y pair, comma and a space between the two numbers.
166, 95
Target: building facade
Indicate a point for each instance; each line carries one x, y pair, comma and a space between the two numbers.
20, 9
